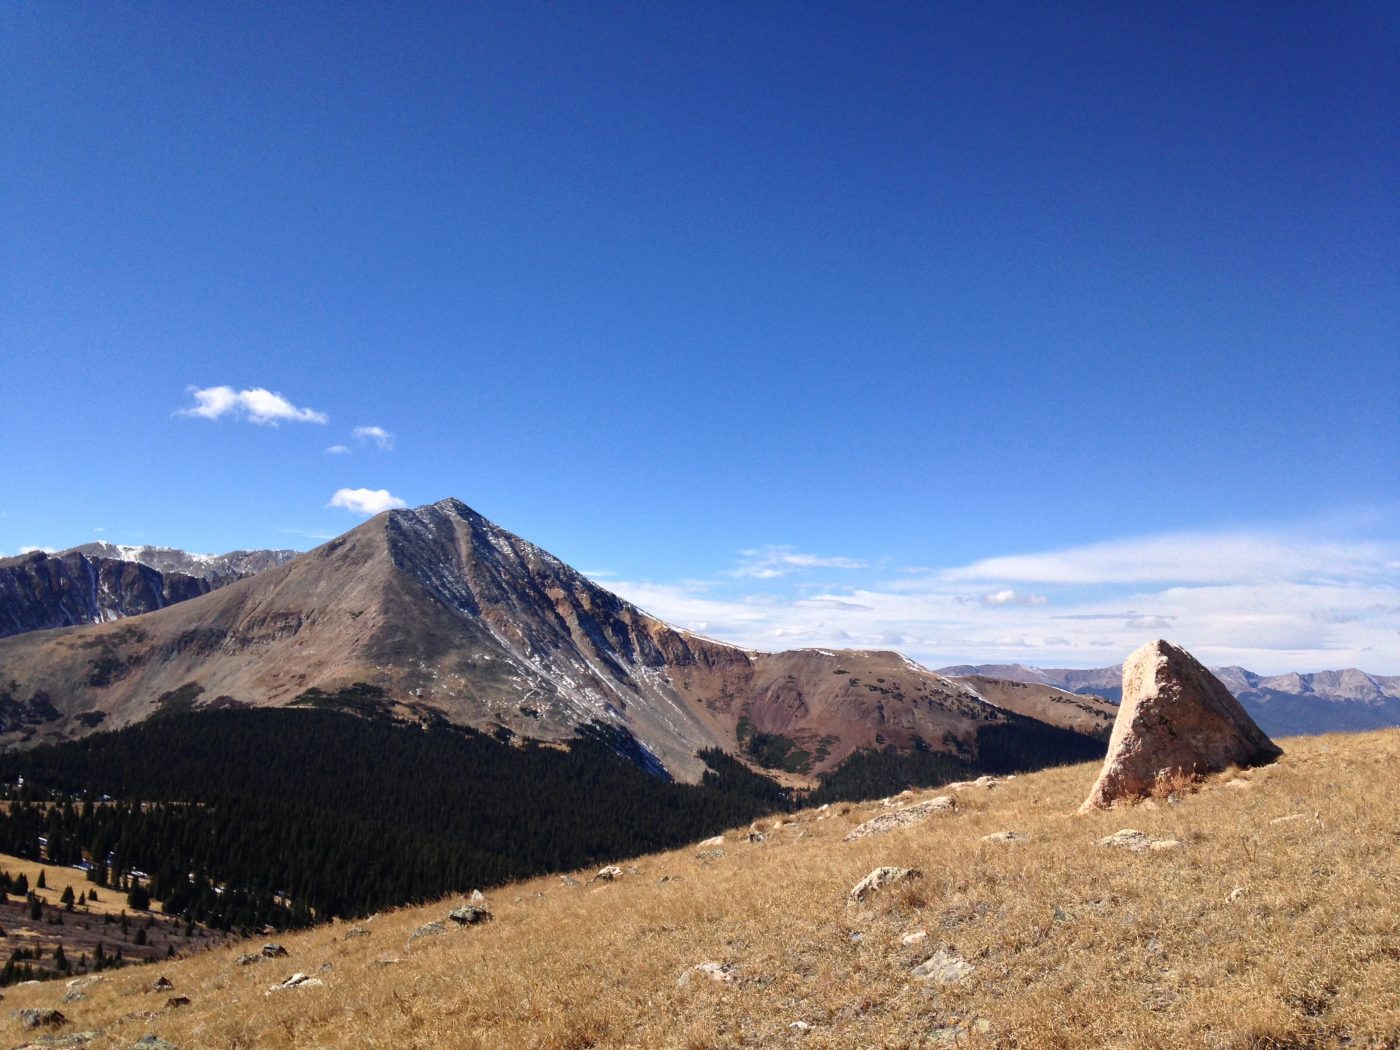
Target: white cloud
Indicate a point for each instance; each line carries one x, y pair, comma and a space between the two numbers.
378, 435
1010, 597
257, 405
365, 501
338, 450
773, 561
32, 550
1328, 602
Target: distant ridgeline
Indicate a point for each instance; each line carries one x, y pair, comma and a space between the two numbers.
239, 818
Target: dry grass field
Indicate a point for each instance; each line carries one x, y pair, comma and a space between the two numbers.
1275, 923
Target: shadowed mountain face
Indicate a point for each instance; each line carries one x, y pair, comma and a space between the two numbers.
1283, 705
442, 614
39, 591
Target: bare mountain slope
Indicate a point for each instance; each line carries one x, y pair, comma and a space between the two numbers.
451, 616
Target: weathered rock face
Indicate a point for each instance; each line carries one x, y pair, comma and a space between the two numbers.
1176, 720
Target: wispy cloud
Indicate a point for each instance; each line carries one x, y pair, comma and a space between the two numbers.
773, 561
32, 550
365, 501
338, 450
377, 436
1273, 601
256, 405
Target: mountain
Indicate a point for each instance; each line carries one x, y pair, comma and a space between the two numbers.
39, 591
436, 614
216, 568
1284, 705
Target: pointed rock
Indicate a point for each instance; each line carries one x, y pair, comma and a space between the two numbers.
1176, 720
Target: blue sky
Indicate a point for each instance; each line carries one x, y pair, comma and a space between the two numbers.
983, 331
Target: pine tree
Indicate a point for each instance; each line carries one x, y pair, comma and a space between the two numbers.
41, 885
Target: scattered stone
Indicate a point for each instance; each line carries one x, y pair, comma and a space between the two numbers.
1234, 895
428, 929
297, 980
74, 997
272, 950
710, 854
608, 874
878, 880
163, 984
247, 959
387, 960
469, 915
476, 897
152, 1042
634, 871
569, 880
1128, 838
716, 840
84, 982
1238, 782
904, 818
75, 1041
855, 937
1176, 720
40, 1018
756, 836
177, 1001
1157, 845
326, 967
721, 973
1004, 836
943, 967
916, 937
356, 931
800, 1026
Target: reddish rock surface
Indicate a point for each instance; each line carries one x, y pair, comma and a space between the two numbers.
1176, 719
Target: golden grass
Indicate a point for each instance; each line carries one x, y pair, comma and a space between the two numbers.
1074, 946
56, 877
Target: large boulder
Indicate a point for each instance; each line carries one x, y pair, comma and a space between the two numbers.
1176, 721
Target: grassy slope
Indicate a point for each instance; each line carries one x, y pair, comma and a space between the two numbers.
1074, 946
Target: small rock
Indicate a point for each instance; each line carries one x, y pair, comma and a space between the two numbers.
1004, 836
40, 1018
74, 997
273, 951
1238, 783
878, 880
569, 880
1128, 838
915, 937
855, 937
177, 1001
608, 874
721, 973
1234, 895
710, 854
756, 836
246, 959
943, 967
1289, 819
84, 982
469, 915
477, 897
387, 960
428, 929
356, 931
1156, 845
297, 980
152, 1042
716, 840
800, 1026
163, 984
326, 967
904, 818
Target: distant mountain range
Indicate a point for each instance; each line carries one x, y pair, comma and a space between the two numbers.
98, 582
437, 614
1283, 705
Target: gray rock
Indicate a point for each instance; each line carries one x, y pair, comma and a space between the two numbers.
710, 854
177, 1001
428, 929
878, 880
40, 1018
476, 897
469, 915
297, 980
152, 1042
75, 997
720, 973
247, 959
943, 967
608, 874
904, 818
356, 931
272, 950
163, 984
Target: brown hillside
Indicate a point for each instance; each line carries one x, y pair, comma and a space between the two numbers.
1272, 923
452, 616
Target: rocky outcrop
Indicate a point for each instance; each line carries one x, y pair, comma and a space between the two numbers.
1177, 721
903, 818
